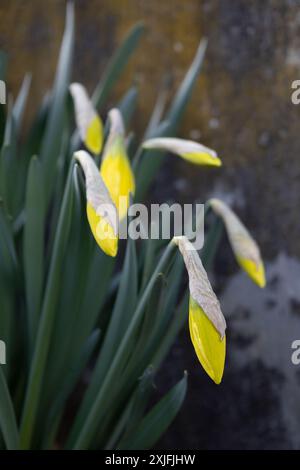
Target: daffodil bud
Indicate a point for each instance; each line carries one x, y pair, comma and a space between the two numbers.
189, 150
88, 121
115, 167
101, 211
206, 321
245, 248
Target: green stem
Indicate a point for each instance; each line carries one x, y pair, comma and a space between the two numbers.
97, 410
47, 319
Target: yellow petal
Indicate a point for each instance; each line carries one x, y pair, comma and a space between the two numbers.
208, 345
101, 211
115, 167
88, 121
202, 158
191, 151
200, 288
94, 135
102, 231
244, 247
256, 273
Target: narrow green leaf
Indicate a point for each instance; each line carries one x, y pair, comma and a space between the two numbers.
117, 65
120, 317
212, 241
9, 166
147, 163
127, 105
156, 116
184, 92
37, 370
67, 386
140, 398
9, 280
178, 321
134, 410
19, 106
157, 322
33, 245
8, 425
157, 421
98, 408
8, 255
51, 144
7, 320
36, 132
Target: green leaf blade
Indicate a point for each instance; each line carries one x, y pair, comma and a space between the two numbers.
156, 422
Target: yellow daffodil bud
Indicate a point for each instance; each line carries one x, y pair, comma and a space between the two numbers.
206, 321
245, 248
189, 150
101, 211
88, 121
115, 167
208, 345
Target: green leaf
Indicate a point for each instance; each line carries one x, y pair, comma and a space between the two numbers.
157, 321
157, 421
184, 92
37, 129
149, 162
134, 411
140, 398
3, 65
33, 248
51, 143
124, 306
98, 408
212, 241
7, 318
9, 166
179, 319
19, 106
67, 386
127, 105
87, 274
156, 116
117, 65
9, 280
8, 423
8, 256
37, 370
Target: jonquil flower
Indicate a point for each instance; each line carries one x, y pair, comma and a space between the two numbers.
101, 211
206, 321
88, 121
245, 248
115, 167
189, 150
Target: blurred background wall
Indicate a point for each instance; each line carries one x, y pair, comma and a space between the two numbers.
241, 106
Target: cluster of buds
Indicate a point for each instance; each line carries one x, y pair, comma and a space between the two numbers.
114, 181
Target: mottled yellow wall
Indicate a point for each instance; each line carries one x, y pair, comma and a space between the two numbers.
241, 105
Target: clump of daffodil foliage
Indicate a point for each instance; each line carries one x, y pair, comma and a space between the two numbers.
85, 334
